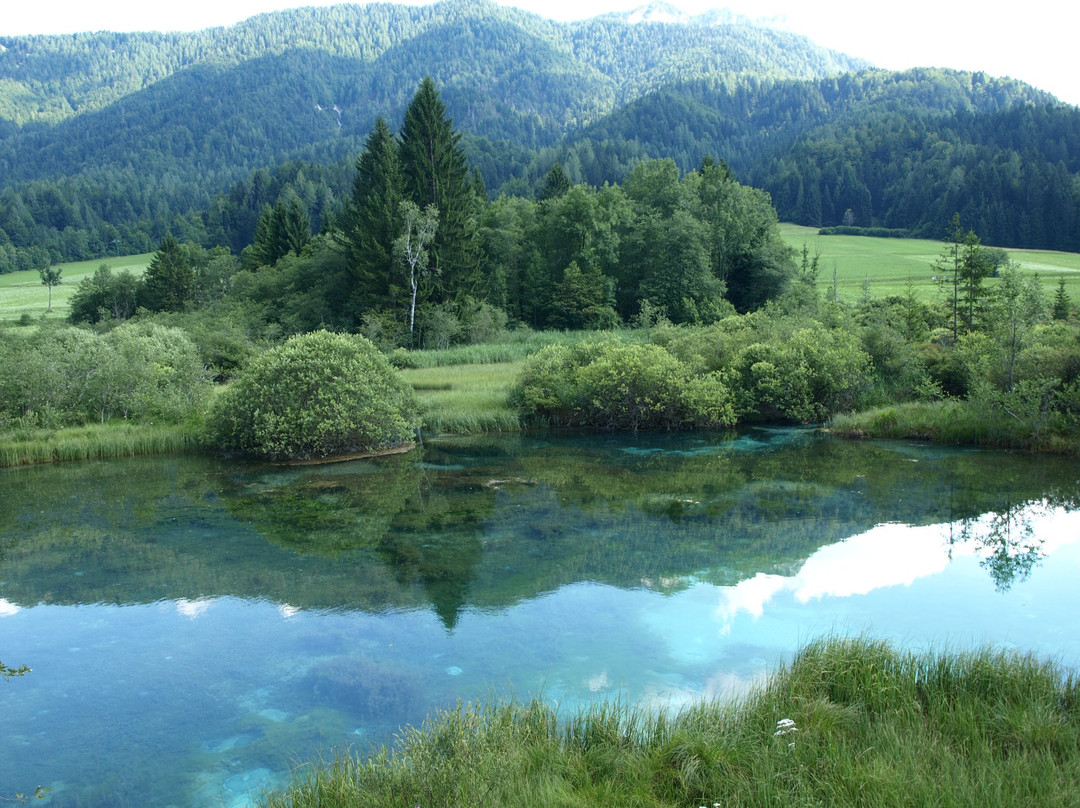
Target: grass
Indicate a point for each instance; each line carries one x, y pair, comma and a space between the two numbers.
957, 423
512, 348
889, 263
22, 293
850, 722
94, 442
466, 399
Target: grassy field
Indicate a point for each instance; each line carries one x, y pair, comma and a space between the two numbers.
851, 722
22, 292
888, 264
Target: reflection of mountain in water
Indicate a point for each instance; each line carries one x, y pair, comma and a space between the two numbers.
488, 522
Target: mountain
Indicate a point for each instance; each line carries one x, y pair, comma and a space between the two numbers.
109, 140
898, 150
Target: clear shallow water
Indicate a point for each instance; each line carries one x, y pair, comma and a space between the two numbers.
198, 630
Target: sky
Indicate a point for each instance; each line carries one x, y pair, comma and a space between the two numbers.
1037, 41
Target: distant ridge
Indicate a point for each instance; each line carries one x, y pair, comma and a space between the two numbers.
110, 137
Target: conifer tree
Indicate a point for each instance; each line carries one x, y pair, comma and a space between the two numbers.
169, 278
372, 218
1061, 302
435, 173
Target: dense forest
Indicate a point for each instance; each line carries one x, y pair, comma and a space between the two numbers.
110, 141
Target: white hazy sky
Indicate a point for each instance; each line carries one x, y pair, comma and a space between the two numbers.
1037, 41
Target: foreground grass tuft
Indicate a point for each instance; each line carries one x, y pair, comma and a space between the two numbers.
849, 722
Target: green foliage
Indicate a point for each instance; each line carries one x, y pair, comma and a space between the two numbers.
280, 230
1061, 308
318, 395
65, 376
169, 280
418, 230
10, 673
435, 177
609, 384
582, 300
50, 277
805, 377
104, 296
371, 221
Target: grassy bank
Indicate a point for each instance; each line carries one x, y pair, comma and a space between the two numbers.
96, 442
956, 423
465, 399
848, 723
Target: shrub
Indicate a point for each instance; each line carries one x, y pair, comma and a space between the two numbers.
612, 385
64, 376
814, 373
319, 394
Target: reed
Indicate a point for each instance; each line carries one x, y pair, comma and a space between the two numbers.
466, 399
94, 442
958, 423
849, 722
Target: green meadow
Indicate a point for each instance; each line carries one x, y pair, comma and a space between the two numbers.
885, 266
22, 293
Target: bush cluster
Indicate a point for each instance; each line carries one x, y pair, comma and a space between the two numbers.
699, 378
608, 384
61, 376
317, 395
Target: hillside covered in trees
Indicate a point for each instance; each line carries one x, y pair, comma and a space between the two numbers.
109, 141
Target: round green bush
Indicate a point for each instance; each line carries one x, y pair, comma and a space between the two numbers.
318, 395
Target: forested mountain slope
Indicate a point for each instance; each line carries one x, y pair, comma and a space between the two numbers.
900, 150
107, 141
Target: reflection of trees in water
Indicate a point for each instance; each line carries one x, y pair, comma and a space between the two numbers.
1007, 541
488, 522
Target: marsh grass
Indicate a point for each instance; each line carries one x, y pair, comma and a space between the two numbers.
95, 442
466, 399
514, 348
957, 423
869, 725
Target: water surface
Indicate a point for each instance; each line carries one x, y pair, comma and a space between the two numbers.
200, 629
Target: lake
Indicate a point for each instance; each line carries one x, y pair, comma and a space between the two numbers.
201, 629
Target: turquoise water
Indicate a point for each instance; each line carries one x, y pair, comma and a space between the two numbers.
201, 630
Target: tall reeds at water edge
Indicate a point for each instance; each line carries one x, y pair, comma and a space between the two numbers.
95, 442
850, 722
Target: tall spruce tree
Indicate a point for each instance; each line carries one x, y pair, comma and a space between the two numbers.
435, 173
169, 279
372, 218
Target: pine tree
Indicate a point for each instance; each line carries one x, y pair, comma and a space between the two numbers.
169, 279
1061, 302
372, 217
556, 183
435, 173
